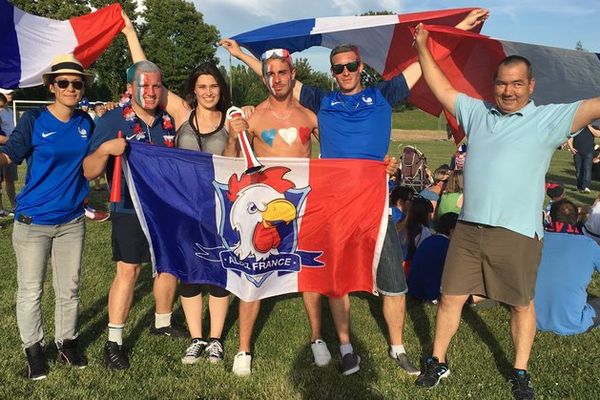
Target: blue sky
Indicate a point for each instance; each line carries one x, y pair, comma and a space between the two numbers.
559, 23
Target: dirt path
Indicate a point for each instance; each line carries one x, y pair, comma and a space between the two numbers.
403, 134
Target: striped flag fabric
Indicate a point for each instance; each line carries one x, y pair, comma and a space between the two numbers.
298, 225
469, 59
385, 41
28, 43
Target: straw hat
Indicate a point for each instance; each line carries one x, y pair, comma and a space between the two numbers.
66, 64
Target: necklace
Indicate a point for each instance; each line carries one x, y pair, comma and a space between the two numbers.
136, 127
278, 116
214, 128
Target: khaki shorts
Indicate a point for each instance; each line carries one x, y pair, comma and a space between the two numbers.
491, 261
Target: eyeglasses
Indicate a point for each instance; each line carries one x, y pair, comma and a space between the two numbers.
278, 53
351, 66
63, 84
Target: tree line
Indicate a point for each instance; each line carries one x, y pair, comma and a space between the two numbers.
173, 34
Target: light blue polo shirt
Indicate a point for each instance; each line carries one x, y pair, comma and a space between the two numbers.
509, 156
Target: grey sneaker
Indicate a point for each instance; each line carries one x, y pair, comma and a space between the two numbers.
194, 352
320, 353
404, 363
350, 364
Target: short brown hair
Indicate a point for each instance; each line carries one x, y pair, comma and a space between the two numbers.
344, 48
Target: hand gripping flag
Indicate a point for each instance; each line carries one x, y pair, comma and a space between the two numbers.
28, 43
298, 225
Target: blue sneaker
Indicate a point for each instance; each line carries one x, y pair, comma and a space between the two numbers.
434, 371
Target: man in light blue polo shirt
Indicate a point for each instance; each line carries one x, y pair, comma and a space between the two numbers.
496, 247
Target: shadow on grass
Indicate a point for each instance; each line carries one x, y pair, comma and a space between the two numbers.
92, 332
313, 382
476, 323
421, 324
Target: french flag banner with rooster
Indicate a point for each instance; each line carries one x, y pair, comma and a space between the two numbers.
298, 225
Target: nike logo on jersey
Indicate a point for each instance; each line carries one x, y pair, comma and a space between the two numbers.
333, 103
46, 134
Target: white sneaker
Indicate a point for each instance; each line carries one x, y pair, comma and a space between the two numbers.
242, 364
320, 352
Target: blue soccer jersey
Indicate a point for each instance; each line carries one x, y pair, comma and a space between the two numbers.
358, 125
55, 187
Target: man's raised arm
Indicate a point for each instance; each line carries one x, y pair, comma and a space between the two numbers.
436, 80
588, 111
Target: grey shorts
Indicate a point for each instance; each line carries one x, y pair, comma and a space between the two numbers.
595, 303
390, 274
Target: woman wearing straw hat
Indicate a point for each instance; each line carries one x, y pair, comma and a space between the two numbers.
49, 214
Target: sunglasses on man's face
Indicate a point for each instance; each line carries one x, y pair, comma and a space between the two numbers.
339, 68
63, 84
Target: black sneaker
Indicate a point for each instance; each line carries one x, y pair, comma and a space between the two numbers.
37, 364
115, 357
350, 364
432, 373
194, 351
170, 331
521, 385
69, 353
214, 350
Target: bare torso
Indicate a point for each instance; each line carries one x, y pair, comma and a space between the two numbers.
282, 133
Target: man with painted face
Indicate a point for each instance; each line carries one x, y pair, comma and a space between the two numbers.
496, 246
279, 127
355, 122
141, 119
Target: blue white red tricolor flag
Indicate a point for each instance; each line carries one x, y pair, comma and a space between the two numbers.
299, 225
28, 43
468, 58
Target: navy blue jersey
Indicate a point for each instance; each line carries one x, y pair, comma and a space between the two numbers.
55, 187
358, 125
108, 127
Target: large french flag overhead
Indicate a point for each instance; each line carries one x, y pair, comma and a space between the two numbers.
299, 225
468, 58
28, 43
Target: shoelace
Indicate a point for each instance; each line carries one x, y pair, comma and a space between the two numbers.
521, 384
195, 348
215, 349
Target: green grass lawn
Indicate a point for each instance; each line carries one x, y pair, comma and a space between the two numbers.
417, 120
480, 355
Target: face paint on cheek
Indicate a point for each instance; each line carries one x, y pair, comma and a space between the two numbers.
139, 94
270, 79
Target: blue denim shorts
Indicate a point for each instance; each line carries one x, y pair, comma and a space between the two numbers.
390, 274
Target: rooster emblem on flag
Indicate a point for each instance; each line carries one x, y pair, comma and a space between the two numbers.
259, 205
260, 216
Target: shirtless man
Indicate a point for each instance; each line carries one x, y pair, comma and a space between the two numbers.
279, 127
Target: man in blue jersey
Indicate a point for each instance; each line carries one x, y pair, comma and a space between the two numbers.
141, 119
355, 122
496, 246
